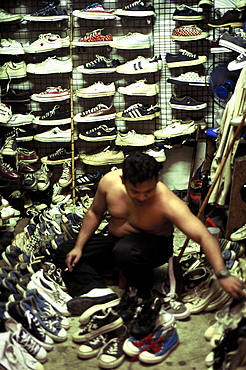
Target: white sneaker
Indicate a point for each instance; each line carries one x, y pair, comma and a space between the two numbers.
54, 135
159, 155
51, 65
131, 138
11, 47
98, 89
134, 40
51, 94
6, 17
139, 65
50, 291
94, 11
5, 113
240, 4
175, 129
240, 234
12, 70
189, 78
66, 176
140, 88
44, 176
45, 42
20, 119
105, 157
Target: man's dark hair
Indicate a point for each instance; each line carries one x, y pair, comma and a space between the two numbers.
139, 167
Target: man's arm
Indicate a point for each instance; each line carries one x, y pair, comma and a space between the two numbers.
90, 223
190, 225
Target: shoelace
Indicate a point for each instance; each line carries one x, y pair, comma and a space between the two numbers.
92, 33
92, 6
52, 112
94, 62
132, 5
45, 9
44, 173
57, 153
27, 342
187, 53
95, 109
95, 129
66, 173
31, 319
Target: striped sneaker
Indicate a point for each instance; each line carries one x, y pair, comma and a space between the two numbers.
140, 65
139, 112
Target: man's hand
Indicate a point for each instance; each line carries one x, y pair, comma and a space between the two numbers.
73, 257
234, 286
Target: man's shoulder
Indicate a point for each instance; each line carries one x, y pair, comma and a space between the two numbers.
112, 177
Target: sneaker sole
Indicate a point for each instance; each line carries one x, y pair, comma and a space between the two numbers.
135, 13
51, 99
148, 92
52, 122
126, 47
104, 329
93, 15
13, 76
191, 83
95, 139
96, 119
142, 118
102, 163
187, 18
48, 18
96, 71
190, 38
140, 71
187, 107
231, 24
232, 46
219, 50
45, 72
83, 43
188, 63
53, 139
95, 95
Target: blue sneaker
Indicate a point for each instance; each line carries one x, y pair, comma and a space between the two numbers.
136, 9
185, 13
184, 58
48, 13
160, 347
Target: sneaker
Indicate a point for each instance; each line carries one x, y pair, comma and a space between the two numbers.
99, 113
216, 48
94, 11
174, 307
13, 70
89, 179
158, 154
51, 94
66, 176
43, 181
183, 59
100, 133
111, 355
91, 347
54, 135
175, 129
50, 65
45, 42
238, 63
239, 234
205, 3
189, 78
29, 181
161, 347
94, 38
232, 18
102, 322
16, 96
136, 9
89, 303
53, 117
186, 103
185, 13
96, 90
99, 65
140, 88
131, 138
138, 112
134, 40
20, 119
11, 47
188, 33
6, 17
145, 318
5, 113
24, 155
104, 157
48, 13
240, 4
7, 172
60, 156
139, 65
235, 43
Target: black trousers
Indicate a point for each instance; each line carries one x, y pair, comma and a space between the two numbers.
135, 255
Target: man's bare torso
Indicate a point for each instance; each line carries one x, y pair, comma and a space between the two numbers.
127, 217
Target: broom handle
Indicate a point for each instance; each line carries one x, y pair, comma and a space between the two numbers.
219, 171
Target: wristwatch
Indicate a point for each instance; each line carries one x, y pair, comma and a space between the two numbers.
222, 273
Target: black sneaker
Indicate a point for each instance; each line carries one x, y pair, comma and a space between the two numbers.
186, 103
145, 319
112, 354
59, 157
25, 135
53, 117
89, 179
233, 18
184, 58
16, 96
102, 322
100, 133
99, 65
127, 306
91, 347
138, 112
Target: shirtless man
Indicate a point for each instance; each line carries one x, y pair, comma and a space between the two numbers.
139, 238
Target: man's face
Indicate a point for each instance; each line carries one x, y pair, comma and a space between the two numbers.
142, 192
